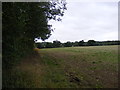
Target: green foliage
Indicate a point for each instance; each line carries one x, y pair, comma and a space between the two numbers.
76, 43
49, 45
81, 43
91, 43
56, 43
25, 21
67, 44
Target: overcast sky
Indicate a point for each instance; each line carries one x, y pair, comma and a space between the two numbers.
87, 21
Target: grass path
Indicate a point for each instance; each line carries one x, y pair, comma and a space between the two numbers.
74, 67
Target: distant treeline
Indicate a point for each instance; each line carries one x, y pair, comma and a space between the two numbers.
57, 43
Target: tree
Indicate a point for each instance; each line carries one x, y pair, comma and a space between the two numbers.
40, 45
91, 43
75, 43
68, 44
57, 43
25, 21
49, 45
81, 43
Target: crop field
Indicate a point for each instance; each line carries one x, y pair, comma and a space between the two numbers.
71, 67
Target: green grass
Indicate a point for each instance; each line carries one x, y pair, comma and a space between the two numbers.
71, 67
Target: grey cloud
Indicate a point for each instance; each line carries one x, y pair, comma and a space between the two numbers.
85, 21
